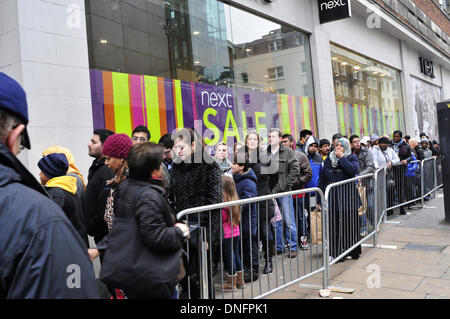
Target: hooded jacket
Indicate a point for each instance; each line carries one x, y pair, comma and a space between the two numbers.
381, 158
41, 254
73, 170
246, 188
315, 161
403, 150
62, 190
365, 160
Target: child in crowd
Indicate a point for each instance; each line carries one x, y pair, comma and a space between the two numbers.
245, 181
231, 217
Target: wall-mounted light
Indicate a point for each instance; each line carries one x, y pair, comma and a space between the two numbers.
196, 62
334, 58
196, 32
103, 41
344, 63
356, 67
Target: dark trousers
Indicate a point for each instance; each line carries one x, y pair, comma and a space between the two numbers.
231, 255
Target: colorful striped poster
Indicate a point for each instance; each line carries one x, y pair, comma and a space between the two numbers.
122, 101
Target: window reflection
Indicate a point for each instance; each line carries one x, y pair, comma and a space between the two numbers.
213, 52
368, 94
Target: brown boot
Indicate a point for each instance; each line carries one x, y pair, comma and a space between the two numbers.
230, 285
240, 280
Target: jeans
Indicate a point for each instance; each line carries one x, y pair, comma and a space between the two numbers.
287, 210
231, 259
302, 204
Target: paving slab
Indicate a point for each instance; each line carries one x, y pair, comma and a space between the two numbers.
387, 279
438, 288
400, 255
364, 292
419, 268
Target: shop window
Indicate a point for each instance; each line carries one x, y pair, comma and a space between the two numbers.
187, 57
376, 92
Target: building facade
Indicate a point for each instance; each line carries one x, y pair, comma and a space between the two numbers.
223, 67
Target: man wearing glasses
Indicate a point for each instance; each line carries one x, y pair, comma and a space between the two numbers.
140, 135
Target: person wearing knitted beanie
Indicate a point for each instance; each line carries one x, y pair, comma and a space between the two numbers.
62, 189
115, 150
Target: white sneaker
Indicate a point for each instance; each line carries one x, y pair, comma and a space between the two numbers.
304, 243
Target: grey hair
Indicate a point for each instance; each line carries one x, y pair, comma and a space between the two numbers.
7, 122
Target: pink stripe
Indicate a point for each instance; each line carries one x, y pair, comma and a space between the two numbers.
291, 116
136, 100
144, 100
194, 107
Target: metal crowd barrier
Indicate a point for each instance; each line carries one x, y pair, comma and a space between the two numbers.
255, 247
403, 184
335, 224
351, 215
439, 182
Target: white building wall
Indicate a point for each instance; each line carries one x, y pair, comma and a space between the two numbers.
50, 60
354, 34
445, 84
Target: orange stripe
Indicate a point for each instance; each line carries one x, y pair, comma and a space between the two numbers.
109, 101
162, 106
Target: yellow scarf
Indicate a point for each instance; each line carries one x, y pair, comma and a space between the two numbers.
68, 183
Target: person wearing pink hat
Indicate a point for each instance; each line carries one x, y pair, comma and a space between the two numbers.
115, 150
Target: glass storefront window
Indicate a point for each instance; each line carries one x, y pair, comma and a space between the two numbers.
368, 94
168, 64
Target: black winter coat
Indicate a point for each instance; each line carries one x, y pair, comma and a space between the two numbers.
40, 250
153, 214
262, 185
72, 207
95, 199
195, 185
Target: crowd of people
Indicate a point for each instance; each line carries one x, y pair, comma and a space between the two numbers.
44, 235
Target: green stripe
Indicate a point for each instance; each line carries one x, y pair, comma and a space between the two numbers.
179, 104
121, 92
306, 113
285, 114
151, 97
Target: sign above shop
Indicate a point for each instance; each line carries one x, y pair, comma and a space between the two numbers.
426, 67
332, 10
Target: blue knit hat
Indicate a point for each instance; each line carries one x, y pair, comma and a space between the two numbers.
54, 165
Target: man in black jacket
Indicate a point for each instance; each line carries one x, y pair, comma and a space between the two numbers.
41, 253
96, 190
404, 153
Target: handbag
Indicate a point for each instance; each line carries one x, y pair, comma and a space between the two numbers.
363, 196
129, 265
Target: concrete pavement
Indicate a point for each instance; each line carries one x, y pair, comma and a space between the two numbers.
414, 265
